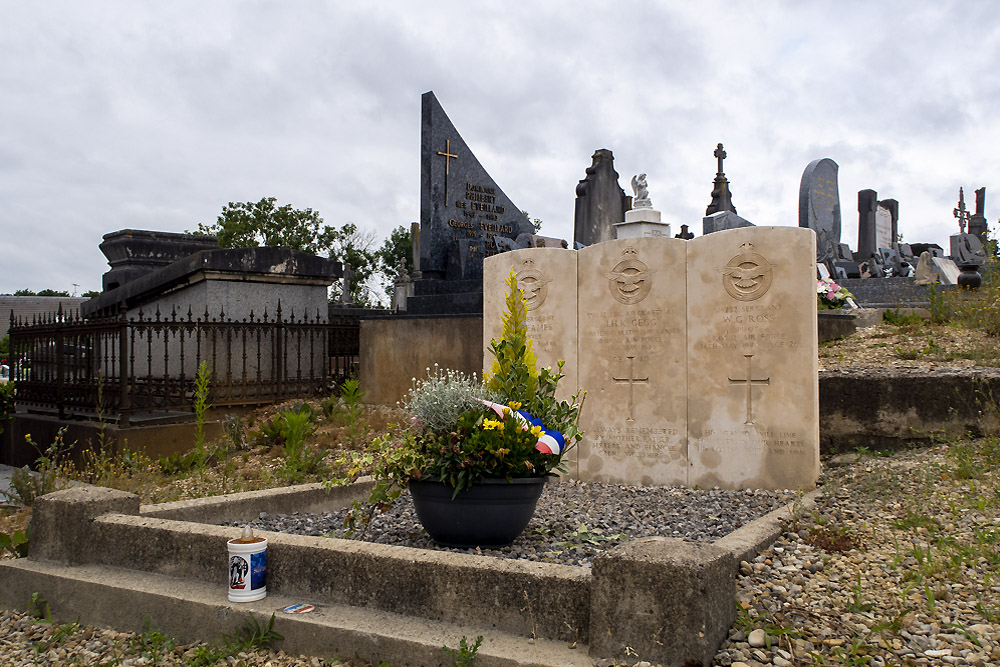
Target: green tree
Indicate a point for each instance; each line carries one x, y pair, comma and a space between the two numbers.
264, 223
536, 223
355, 248
252, 224
44, 292
397, 248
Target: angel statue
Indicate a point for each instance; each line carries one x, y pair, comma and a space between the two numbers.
641, 190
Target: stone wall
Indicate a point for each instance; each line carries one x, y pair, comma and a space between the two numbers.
396, 350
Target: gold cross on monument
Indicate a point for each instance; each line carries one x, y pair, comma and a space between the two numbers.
447, 155
749, 382
631, 379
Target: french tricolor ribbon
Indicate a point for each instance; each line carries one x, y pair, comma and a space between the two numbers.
549, 442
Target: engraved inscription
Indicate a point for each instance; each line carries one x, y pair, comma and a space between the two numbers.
630, 280
747, 277
750, 382
631, 380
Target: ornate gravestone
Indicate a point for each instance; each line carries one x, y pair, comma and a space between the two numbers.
698, 357
819, 208
600, 201
464, 217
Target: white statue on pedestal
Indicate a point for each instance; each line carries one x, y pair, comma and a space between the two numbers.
641, 190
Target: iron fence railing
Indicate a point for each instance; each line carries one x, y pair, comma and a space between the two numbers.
119, 366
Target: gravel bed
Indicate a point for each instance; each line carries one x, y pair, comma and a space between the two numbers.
573, 522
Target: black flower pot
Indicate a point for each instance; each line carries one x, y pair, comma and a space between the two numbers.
490, 514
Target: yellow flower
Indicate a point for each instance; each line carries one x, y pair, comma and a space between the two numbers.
490, 424
536, 430
515, 405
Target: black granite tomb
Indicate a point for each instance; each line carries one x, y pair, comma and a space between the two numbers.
462, 214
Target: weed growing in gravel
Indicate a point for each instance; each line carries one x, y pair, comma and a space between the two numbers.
16, 543
153, 644
26, 485
465, 655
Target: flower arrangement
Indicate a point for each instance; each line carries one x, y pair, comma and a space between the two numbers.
830, 295
462, 430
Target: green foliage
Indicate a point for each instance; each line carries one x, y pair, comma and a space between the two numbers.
236, 432
289, 430
465, 655
911, 354
584, 536
391, 460
202, 384
437, 402
395, 250
4, 347
483, 446
353, 247
253, 635
16, 543
38, 608
6, 403
898, 318
44, 292
939, 309
514, 375
535, 222
262, 223
346, 410
153, 644
26, 486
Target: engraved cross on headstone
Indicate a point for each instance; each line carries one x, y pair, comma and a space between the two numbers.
960, 212
749, 381
721, 154
631, 379
448, 156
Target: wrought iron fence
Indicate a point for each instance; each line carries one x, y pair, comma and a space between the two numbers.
113, 368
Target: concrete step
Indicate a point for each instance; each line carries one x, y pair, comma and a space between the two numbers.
191, 611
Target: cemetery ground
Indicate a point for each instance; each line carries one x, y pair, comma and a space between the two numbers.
898, 561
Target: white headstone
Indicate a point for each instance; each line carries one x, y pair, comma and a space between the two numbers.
698, 357
883, 228
947, 269
753, 389
632, 361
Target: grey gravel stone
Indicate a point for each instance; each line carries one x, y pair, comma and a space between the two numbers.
611, 514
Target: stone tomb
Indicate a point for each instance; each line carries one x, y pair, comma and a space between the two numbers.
698, 357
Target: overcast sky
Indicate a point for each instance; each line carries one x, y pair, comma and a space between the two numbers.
118, 115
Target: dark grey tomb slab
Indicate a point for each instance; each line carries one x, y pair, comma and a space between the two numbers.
819, 208
462, 209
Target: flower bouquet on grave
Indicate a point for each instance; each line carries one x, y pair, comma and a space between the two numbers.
830, 295
474, 442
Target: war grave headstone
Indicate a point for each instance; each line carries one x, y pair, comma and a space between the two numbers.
698, 357
600, 201
819, 208
753, 408
547, 277
632, 342
463, 215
